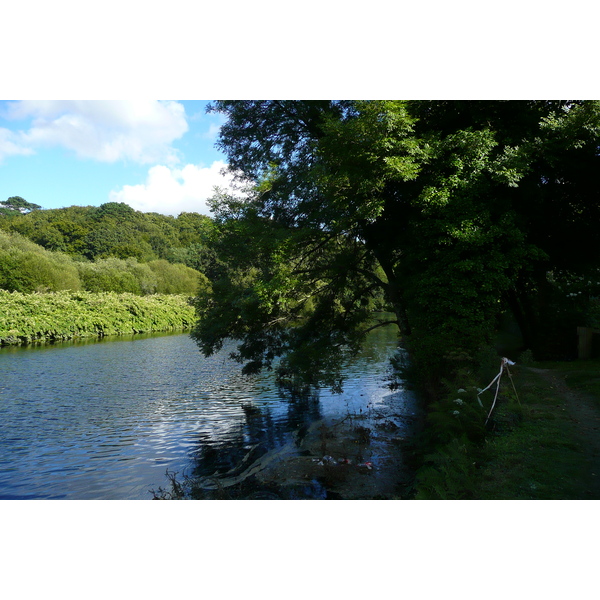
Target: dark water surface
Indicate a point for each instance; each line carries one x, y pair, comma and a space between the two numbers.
105, 420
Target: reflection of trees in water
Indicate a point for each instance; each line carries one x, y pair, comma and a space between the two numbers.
264, 428
302, 411
258, 433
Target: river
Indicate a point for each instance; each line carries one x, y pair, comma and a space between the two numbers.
108, 419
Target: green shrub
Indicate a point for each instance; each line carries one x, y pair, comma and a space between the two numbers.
176, 278
117, 275
27, 267
26, 318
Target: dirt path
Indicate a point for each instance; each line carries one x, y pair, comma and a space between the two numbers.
586, 417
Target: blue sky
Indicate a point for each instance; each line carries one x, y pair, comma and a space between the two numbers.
156, 156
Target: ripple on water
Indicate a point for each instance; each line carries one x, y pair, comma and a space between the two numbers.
107, 420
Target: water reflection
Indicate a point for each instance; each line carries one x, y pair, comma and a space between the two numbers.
107, 420
260, 431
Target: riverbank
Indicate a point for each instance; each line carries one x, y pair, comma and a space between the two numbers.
543, 446
63, 316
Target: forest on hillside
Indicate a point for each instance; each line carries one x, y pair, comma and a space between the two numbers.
110, 248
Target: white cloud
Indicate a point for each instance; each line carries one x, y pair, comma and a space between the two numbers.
11, 144
213, 131
140, 131
171, 190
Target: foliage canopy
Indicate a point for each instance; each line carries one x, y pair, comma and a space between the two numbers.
453, 211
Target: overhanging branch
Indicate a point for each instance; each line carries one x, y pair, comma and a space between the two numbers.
380, 324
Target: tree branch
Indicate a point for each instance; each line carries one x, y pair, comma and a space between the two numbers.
380, 324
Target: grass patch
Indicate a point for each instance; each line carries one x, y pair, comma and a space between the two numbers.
531, 451
540, 457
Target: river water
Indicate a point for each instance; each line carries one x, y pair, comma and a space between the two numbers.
107, 419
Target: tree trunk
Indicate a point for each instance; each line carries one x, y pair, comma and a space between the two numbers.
525, 325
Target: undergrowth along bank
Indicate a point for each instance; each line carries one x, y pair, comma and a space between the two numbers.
530, 448
66, 315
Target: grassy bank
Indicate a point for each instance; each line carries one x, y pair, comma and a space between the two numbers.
532, 449
48, 317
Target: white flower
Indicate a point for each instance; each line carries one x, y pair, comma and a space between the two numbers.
461, 391
458, 401
456, 412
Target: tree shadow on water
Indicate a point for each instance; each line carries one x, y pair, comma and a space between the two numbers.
225, 467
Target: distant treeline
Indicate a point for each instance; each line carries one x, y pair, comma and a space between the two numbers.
112, 230
27, 318
27, 267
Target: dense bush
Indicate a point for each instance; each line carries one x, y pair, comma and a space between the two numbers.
26, 318
27, 267
176, 278
117, 275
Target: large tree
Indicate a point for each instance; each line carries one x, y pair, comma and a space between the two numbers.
453, 210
